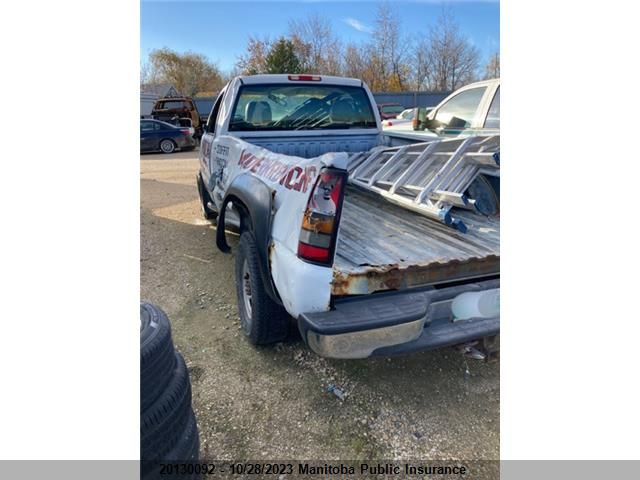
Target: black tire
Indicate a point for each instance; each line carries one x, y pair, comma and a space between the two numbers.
205, 199
187, 450
157, 356
163, 423
266, 322
167, 146
483, 190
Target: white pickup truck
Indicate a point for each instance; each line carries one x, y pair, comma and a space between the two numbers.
297, 163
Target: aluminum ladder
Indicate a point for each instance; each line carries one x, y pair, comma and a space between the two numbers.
430, 177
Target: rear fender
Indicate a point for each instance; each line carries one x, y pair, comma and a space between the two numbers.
254, 200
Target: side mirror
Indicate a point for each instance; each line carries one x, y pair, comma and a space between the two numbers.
456, 122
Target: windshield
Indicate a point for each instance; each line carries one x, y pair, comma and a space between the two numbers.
301, 107
407, 114
392, 109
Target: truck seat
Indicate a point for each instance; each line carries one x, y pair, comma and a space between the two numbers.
257, 113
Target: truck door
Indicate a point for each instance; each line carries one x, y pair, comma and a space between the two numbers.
456, 117
206, 143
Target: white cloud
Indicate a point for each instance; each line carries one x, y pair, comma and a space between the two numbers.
358, 25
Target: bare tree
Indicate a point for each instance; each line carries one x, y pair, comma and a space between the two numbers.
354, 62
189, 72
492, 68
420, 64
255, 59
452, 60
316, 46
146, 73
441, 59
390, 48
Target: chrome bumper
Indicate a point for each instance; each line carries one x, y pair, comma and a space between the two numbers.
394, 323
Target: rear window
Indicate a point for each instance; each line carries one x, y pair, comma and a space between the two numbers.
172, 104
301, 107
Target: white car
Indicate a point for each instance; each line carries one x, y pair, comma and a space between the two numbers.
405, 119
406, 114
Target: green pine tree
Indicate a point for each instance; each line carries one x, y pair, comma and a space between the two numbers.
282, 58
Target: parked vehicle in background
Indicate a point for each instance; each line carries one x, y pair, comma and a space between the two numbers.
404, 121
156, 135
204, 106
179, 111
471, 110
389, 110
406, 114
343, 236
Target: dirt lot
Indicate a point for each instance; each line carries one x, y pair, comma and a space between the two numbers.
271, 403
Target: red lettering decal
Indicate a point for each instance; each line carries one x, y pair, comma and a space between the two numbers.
256, 164
245, 158
302, 181
309, 174
298, 172
265, 167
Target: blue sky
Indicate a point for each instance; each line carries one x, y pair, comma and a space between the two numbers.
220, 29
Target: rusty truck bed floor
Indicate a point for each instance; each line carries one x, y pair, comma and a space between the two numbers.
383, 246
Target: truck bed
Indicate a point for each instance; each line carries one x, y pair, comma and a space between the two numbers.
382, 246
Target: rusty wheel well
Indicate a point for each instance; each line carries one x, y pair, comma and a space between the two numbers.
253, 201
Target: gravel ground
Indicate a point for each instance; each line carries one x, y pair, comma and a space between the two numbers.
272, 403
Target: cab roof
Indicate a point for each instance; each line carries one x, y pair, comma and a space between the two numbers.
301, 78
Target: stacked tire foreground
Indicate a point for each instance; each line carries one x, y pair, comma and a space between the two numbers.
168, 429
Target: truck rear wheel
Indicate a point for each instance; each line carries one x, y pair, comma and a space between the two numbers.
263, 321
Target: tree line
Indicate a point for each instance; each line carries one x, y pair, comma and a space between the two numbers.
439, 59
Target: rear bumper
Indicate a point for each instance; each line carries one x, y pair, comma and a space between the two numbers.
186, 141
394, 323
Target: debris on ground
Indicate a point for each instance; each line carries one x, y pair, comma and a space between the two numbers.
337, 391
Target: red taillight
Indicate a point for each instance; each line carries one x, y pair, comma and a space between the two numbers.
321, 217
186, 132
315, 254
305, 78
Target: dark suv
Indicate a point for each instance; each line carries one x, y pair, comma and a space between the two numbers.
179, 111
